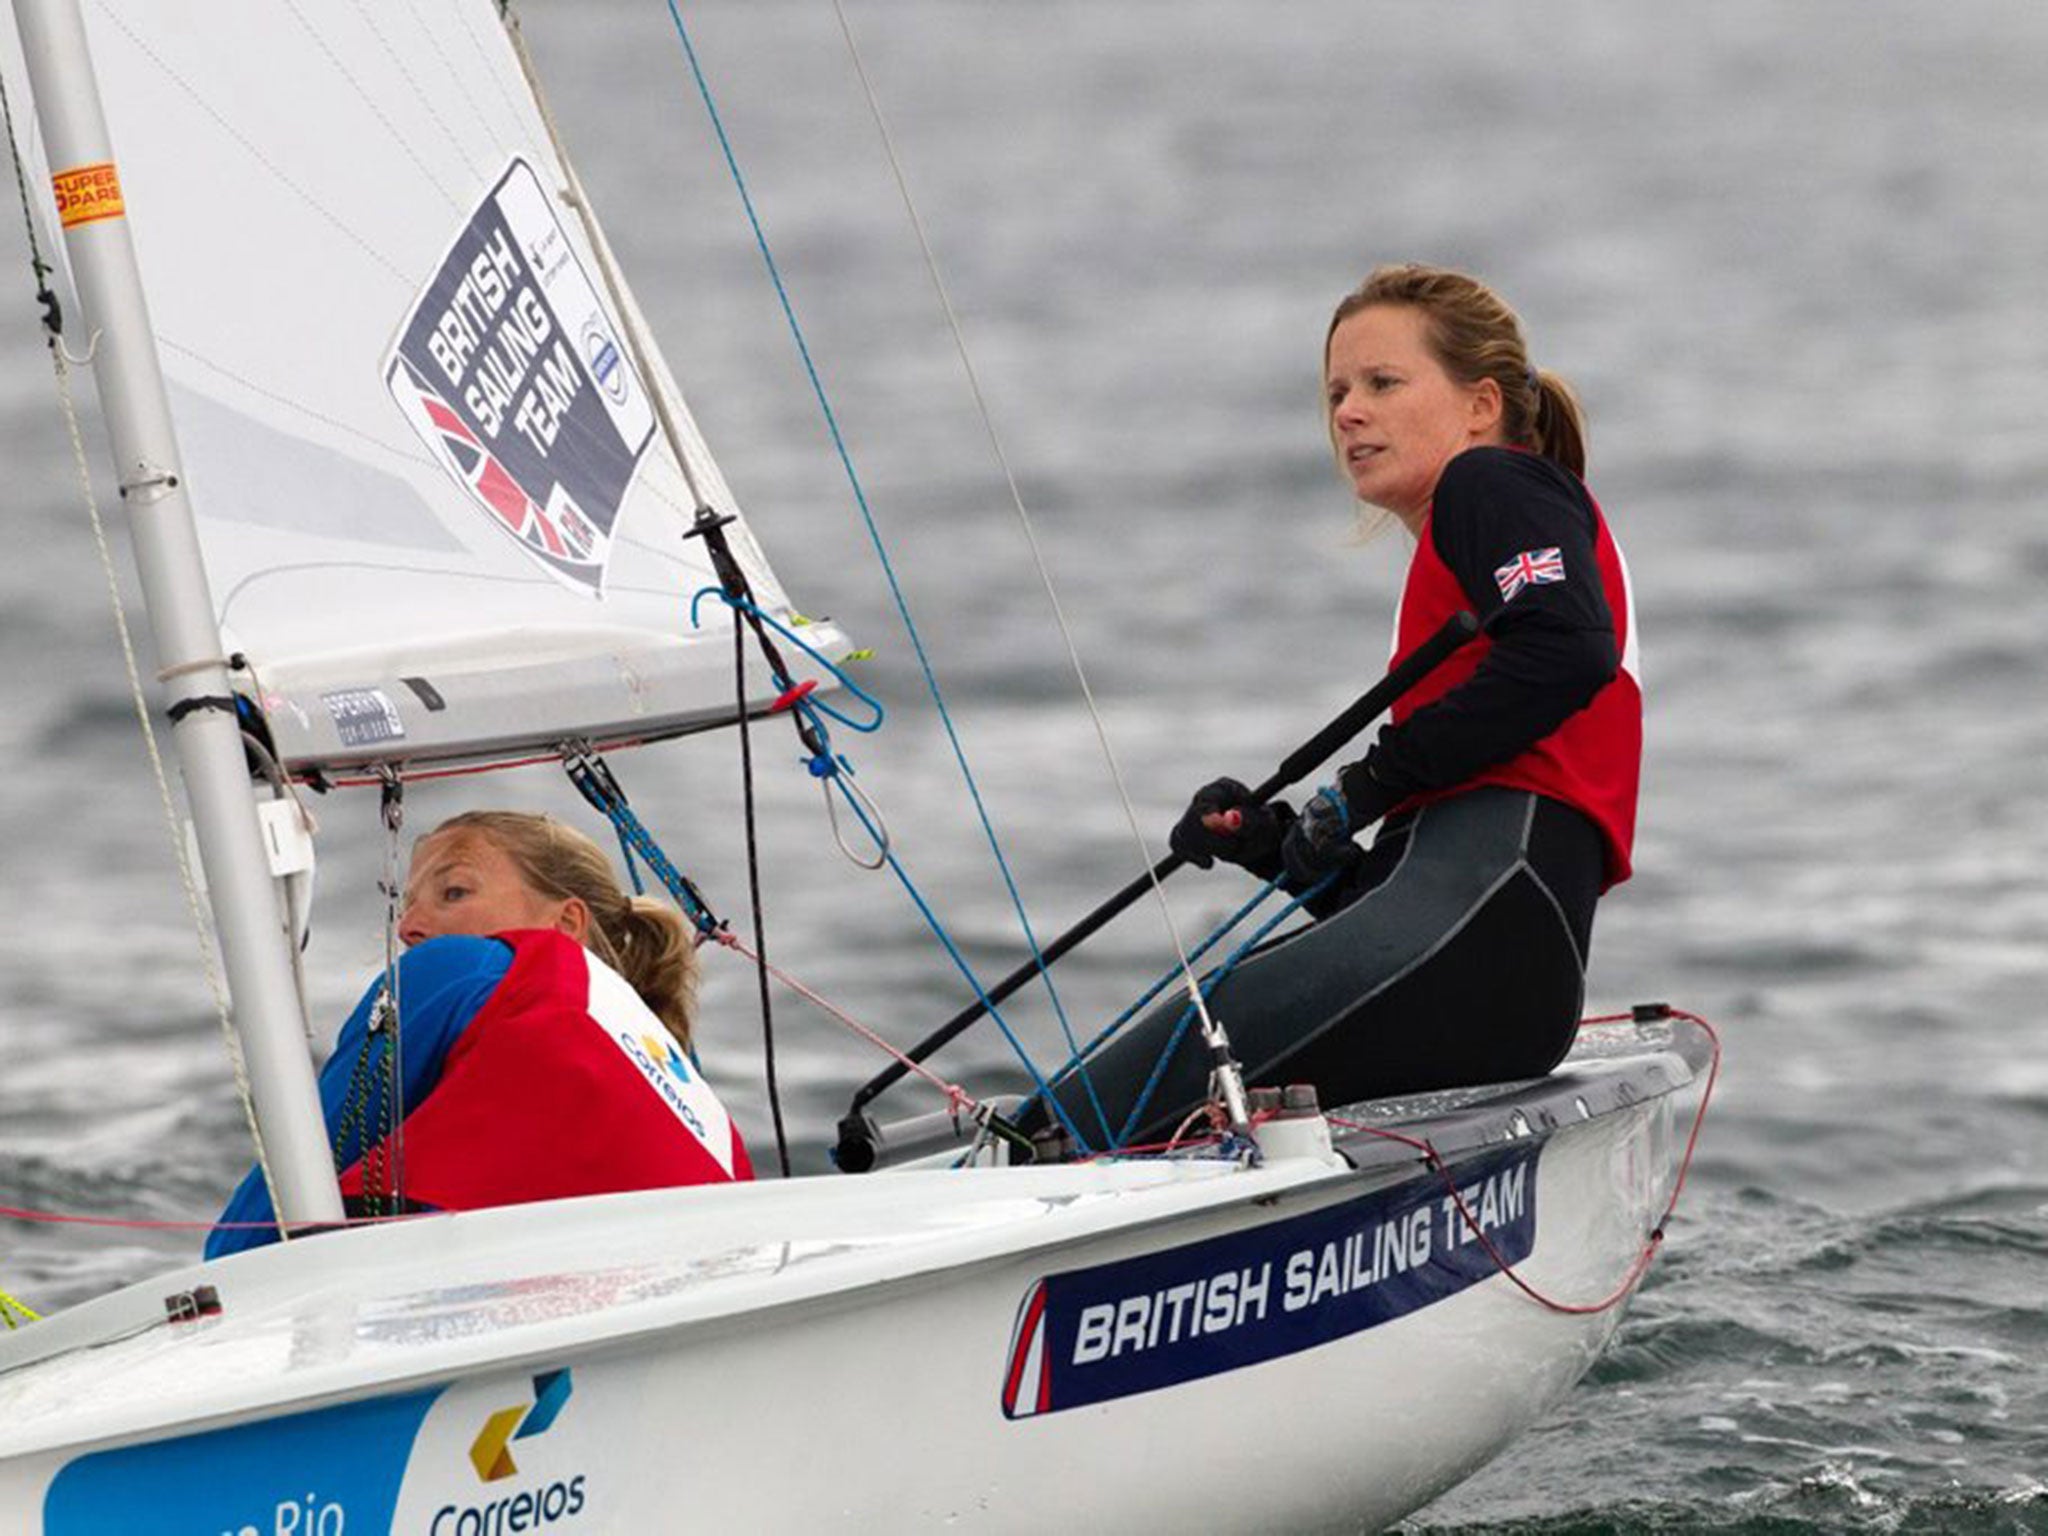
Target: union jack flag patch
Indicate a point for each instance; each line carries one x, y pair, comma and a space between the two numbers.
1531, 565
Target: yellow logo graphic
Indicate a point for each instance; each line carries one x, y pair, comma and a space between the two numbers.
662, 1051
86, 193
491, 1453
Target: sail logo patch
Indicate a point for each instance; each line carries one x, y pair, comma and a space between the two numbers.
363, 717
490, 1454
511, 371
606, 365
88, 193
1139, 1325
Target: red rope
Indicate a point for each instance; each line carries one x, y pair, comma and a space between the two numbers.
23, 1213
958, 1099
470, 770
1655, 1240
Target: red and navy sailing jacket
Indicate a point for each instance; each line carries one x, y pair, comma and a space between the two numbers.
564, 1083
1521, 541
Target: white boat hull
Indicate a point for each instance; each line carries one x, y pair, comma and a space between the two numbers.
990, 1349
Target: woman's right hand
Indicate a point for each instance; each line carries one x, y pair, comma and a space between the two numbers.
1224, 821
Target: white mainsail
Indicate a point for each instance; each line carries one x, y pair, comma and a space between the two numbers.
440, 511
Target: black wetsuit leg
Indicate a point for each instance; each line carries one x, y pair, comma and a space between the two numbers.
1457, 958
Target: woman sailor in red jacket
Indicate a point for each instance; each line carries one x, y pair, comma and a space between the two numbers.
1453, 949
544, 1040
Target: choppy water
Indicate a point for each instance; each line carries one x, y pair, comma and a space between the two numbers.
1796, 258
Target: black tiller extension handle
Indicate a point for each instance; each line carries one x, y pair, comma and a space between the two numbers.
855, 1150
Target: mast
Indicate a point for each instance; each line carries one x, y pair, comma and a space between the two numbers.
207, 737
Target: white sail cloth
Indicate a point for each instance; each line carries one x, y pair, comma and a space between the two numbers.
439, 508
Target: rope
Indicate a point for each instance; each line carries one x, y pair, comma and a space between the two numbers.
383, 1155
53, 314
594, 781
957, 1098
139, 1224
749, 818
751, 611
1168, 978
61, 367
1024, 520
598, 786
469, 770
1196, 1003
369, 1094
873, 529
952, 950
1651, 1245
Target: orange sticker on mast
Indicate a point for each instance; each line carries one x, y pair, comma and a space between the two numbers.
88, 193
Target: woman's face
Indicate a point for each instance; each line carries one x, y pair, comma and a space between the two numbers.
1396, 418
461, 882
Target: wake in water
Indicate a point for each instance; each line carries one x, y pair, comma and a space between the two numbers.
1794, 1369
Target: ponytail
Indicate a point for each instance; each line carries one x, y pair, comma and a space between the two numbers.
1559, 429
654, 949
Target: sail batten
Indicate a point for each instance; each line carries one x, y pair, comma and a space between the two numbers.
421, 437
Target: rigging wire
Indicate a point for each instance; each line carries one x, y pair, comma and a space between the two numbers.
924, 908
1198, 1006
1024, 519
60, 362
875, 536
957, 1098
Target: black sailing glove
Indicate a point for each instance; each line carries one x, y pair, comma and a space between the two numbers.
1319, 843
1322, 840
1252, 841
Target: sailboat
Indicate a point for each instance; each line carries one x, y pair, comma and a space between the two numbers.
411, 488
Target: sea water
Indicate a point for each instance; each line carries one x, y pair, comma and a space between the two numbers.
1796, 260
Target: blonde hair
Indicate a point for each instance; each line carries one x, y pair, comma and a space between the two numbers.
644, 940
1474, 335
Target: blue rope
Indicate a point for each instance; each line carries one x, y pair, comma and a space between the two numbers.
643, 843
875, 536
960, 962
1215, 979
1171, 975
632, 864
594, 783
839, 674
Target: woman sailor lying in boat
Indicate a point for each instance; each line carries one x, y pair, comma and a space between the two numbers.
1453, 950
545, 1036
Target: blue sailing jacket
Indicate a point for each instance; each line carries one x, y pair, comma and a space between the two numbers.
443, 983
